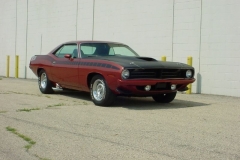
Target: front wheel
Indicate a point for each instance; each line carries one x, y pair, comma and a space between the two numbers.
100, 93
45, 85
164, 98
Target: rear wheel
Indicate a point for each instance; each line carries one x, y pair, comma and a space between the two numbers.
45, 85
164, 98
100, 93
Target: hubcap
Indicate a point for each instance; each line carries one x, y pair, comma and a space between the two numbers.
43, 80
98, 90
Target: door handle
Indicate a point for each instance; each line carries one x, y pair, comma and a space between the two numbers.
53, 62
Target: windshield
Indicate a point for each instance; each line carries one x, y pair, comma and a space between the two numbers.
106, 49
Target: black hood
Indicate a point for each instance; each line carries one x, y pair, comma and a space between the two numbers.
142, 62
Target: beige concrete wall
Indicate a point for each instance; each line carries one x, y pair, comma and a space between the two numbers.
207, 30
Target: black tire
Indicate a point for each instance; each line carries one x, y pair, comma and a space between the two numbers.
164, 98
45, 85
100, 93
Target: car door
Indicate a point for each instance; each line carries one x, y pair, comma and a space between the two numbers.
65, 70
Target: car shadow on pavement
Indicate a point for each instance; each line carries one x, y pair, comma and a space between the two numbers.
75, 94
144, 103
136, 103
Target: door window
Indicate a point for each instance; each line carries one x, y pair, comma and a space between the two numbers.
67, 49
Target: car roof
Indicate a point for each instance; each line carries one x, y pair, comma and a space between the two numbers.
83, 41
90, 41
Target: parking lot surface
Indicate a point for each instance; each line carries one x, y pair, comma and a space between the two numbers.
67, 125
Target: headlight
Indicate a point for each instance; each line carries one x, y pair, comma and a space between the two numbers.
125, 74
188, 73
33, 58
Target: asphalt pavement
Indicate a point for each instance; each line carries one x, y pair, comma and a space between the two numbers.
67, 125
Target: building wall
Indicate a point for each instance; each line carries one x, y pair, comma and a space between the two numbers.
207, 30
220, 47
7, 34
186, 34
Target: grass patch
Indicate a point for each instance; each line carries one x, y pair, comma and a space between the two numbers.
40, 158
11, 129
25, 138
0, 78
27, 110
56, 105
30, 94
16, 92
4, 93
3, 111
28, 146
85, 103
48, 96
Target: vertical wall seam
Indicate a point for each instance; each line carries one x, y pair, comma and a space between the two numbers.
16, 30
199, 76
77, 20
26, 44
173, 27
93, 19
200, 39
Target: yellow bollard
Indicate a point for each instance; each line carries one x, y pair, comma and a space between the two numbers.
164, 58
8, 62
16, 65
189, 62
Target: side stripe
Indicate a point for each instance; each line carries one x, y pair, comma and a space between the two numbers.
96, 64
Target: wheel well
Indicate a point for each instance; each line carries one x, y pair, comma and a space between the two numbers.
90, 76
38, 70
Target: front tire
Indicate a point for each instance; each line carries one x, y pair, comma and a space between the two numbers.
100, 93
164, 98
45, 85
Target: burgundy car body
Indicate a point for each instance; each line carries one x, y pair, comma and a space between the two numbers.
76, 73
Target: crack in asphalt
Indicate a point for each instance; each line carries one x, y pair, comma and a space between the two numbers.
113, 142
92, 137
117, 143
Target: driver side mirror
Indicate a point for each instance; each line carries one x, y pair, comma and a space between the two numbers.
68, 56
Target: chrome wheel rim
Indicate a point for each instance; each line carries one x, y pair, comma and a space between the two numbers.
43, 80
98, 90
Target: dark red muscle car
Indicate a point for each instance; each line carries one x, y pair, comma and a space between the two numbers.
107, 70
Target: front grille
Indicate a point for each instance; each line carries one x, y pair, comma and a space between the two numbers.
171, 73
157, 73
143, 74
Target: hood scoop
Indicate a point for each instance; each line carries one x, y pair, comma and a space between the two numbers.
147, 59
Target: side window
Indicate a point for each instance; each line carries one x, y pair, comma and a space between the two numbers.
123, 51
87, 50
94, 49
111, 52
67, 49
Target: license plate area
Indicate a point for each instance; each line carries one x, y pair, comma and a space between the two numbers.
161, 85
